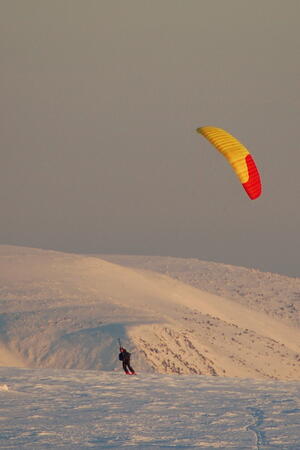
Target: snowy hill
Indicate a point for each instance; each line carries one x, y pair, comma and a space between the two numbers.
62, 310
276, 295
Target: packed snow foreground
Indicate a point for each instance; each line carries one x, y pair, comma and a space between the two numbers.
67, 409
62, 385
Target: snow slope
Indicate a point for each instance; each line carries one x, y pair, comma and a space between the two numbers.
66, 409
66, 311
274, 294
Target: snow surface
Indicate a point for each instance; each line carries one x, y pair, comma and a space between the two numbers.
274, 294
62, 310
46, 408
180, 318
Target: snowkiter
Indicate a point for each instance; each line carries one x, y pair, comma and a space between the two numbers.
124, 356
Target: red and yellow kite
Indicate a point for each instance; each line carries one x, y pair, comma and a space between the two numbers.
238, 156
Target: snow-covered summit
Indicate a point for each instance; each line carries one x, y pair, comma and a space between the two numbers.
66, 311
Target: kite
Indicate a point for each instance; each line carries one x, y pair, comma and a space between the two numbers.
238, 156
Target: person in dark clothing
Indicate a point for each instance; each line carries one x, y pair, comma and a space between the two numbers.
124, 356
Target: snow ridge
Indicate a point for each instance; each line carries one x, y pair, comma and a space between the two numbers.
67, 311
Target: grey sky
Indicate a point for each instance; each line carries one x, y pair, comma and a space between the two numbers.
99, 105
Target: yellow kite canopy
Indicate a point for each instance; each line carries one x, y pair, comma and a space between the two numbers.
238, 156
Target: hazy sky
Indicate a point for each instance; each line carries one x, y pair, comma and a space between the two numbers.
99, 105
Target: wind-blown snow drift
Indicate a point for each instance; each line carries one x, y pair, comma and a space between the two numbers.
67, 311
